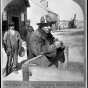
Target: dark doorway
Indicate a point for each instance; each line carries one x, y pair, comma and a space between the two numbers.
16, 21
4, 27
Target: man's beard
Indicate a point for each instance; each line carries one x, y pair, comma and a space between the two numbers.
12, 32
50, 38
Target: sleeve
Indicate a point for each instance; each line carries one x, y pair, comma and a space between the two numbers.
32, 29
19, 40
5, 37
38, 48
5, 41
25, 32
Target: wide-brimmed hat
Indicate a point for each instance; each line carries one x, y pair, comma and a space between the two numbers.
11, 23
46, 20
28, 20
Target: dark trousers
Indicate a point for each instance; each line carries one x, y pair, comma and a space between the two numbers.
12, 60
9, 64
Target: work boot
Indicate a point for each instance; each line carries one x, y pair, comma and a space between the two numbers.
15, 70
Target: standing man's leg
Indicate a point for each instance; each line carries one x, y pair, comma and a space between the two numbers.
15, 61
8, 64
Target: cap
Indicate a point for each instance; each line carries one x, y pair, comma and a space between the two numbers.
28, 20
11, 23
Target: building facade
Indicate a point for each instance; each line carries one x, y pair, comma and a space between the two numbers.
15, 11
54, 16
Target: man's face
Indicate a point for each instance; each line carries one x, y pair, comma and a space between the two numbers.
27, 23
12, 31
47, 29
12, 27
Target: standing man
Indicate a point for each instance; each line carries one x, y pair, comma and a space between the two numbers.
42, 42
12, 46
28, 30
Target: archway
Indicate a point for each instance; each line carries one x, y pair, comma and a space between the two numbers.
81, 4
4, 3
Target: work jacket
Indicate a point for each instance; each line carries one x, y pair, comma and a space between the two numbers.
12, 40
40, 44
27, 33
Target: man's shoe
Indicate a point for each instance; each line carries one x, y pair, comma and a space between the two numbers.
16, 72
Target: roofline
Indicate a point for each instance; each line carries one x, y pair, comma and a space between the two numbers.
44, 7
53, 12
27, 3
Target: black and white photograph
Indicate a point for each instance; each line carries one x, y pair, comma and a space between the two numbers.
43, 41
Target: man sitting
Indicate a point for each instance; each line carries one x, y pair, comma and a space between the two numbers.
42, 42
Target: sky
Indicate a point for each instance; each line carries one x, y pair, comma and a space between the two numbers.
65, 9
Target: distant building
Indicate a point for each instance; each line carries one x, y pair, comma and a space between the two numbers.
15, 11
44, 3
64, 24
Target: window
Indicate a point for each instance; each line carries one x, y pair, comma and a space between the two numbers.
4, 16
22, 16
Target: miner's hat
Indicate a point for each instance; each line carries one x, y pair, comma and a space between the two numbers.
46, 20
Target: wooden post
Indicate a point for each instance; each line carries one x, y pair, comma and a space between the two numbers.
25, 73
67, 54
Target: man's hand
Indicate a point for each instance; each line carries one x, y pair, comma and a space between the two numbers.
57, 44
62, 44
56, 39
9, 51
